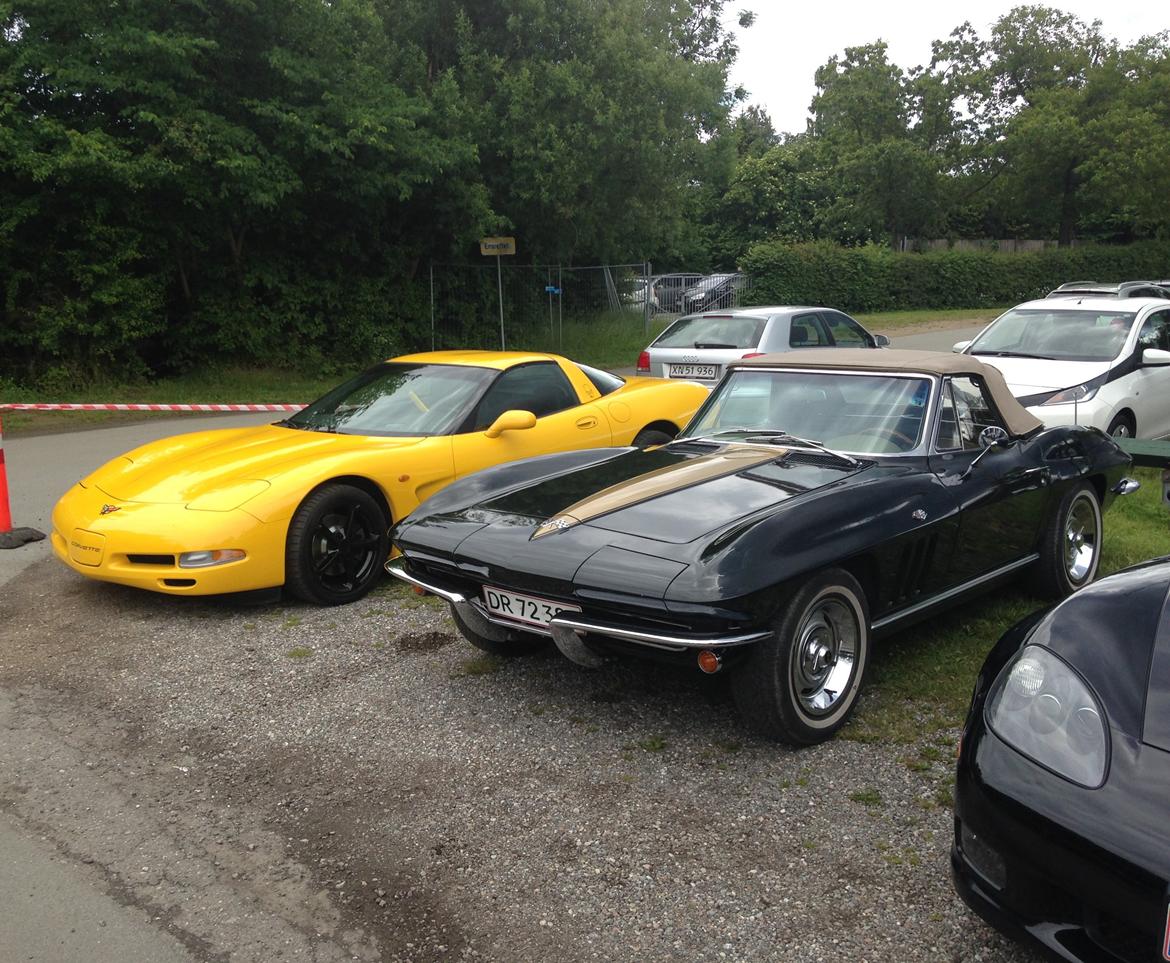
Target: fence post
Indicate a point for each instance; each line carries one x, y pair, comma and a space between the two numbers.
432, 305
560, 311
11, 537
646, 297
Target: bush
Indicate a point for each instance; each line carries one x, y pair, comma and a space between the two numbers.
872, 278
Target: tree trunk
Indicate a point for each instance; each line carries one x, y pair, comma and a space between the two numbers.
1068, 208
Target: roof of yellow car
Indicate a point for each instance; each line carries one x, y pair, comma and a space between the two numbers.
485, 359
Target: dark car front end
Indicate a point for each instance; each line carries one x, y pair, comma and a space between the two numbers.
1074, 860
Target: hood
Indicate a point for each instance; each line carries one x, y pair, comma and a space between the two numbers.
182, 468
675, 494
1030, 376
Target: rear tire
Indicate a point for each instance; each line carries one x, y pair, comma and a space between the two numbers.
336, 545
1070, 546
649, 437
517, 644
801, 685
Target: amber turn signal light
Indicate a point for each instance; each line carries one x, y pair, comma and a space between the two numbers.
710, 662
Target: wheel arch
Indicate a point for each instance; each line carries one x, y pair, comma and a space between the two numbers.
1125, 411
663, 424
368, 485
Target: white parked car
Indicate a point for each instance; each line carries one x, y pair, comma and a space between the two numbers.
698, 347
1101, 361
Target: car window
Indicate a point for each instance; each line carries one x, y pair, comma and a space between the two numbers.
966, 410
1057, 333
541, 388
712, 331
604, 381
1155, 332
397, 399
807, 331
846, 332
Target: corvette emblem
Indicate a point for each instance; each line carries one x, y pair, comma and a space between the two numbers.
106, 509
558, 524
918, 515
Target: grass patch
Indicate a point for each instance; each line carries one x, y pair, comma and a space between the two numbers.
867, 797
482, 665
884, 322
299, 652
919, 681
652, 744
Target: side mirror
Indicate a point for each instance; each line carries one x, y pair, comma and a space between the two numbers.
1155, 356
881, 341
960, 346
994, 437
512, 420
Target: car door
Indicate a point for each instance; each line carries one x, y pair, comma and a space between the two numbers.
1002, 497
564, 422
846, 332
1151, 383
808, 331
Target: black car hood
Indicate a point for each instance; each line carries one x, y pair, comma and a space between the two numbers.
675, 494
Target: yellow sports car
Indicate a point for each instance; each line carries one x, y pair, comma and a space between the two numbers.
306, 502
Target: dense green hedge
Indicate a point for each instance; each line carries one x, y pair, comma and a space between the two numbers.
876, 279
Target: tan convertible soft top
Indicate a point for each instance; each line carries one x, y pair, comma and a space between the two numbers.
1018, 419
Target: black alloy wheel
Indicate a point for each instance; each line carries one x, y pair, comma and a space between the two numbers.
801, 685
336, 545
516, 644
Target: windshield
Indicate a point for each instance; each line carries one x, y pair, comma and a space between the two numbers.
859, 413
1057, 333
397, 399
712, 331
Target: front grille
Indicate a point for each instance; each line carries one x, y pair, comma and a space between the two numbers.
151, 559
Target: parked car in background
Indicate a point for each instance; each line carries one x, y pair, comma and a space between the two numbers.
670, 288
713, 291
1098, 289
816, 499
1061, 829
306, 502
1100, 361
700, 346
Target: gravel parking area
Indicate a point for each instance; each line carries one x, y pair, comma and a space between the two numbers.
286, 782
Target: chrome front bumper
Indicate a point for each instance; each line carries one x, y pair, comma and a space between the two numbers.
567, 631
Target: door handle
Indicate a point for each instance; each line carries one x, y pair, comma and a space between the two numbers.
587, 422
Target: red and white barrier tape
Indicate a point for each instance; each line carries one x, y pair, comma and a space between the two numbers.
30, 406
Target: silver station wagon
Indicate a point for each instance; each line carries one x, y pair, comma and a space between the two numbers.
699, 346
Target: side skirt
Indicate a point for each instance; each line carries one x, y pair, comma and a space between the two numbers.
972, 587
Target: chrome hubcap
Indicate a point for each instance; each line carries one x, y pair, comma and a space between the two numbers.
1121, 431
1080, 546
825, 655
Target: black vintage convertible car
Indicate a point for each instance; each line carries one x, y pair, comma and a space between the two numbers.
816, 499
1062, 833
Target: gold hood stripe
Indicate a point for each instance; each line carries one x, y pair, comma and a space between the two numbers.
661, 481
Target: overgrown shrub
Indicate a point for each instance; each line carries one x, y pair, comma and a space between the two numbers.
876, 279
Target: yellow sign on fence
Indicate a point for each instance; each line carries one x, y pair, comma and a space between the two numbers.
497, 245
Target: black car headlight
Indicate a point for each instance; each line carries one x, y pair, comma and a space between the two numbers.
1042, 708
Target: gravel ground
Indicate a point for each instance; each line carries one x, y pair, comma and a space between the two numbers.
359, 783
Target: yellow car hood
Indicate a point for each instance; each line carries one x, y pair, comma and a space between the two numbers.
182, 468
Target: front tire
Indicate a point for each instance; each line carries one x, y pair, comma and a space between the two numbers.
801, 685
1122, 426
516, 644
336, 545
1070, 547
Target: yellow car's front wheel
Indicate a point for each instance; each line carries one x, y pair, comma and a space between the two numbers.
336, 545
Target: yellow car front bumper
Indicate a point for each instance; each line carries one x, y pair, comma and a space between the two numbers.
139, 544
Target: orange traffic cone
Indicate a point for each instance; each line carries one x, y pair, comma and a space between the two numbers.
11, 537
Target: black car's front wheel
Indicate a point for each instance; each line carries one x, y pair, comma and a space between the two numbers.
1070, 547
336, 545
516, 643
801, 685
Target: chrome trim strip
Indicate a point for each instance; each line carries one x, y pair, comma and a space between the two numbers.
672, 643
957, 590
675, 643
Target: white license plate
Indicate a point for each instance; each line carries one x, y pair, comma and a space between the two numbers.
524, 608
704, 372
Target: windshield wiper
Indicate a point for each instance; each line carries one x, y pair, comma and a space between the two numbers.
781, 437
1013, 354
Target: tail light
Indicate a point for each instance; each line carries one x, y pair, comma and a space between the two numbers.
643, 361
754, 354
